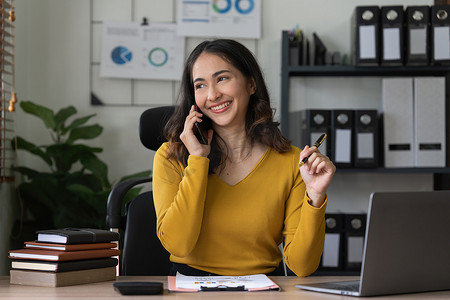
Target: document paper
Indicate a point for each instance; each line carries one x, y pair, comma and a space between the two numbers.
259, 281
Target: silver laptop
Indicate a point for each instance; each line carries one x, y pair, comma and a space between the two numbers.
406, 248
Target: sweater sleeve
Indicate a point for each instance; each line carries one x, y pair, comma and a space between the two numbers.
304, 229
179, 196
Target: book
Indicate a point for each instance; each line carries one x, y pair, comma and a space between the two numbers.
54, 255
51, 279
70, 247
76, 236
63, 266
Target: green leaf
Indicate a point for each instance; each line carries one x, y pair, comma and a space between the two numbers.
42, 112
136, 175
29, 173
64, 156
62, 116
78, 122
80, 189
83, 148
86, 132
23, 144
96, 166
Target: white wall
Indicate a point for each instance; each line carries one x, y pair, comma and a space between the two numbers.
52, 68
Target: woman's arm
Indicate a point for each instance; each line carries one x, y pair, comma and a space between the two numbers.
179, 196
304, 230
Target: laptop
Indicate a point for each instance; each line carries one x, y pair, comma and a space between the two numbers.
406, 247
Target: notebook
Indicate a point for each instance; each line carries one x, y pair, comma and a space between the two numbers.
406, 248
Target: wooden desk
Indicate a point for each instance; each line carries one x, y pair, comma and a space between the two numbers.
104, 290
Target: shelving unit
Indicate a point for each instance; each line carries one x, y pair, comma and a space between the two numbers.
441, 175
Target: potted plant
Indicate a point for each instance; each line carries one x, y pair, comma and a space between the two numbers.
74, 189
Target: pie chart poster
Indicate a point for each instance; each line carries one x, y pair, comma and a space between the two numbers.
219, 18
130, 50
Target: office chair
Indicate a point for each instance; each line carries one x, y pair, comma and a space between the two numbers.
142, 252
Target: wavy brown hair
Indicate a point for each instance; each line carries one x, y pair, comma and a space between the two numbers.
260, 126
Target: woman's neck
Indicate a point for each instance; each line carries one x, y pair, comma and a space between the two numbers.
238, 144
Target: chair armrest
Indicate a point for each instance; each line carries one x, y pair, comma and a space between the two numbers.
115, 198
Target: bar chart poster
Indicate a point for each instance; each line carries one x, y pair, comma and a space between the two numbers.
130, 50
219, 18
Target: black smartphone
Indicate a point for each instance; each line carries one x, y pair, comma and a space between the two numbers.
201, 129
138, 287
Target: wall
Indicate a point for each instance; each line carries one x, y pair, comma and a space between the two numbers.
52, 68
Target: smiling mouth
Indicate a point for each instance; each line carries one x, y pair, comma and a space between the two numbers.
221, 106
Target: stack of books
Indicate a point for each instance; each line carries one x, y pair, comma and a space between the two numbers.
64, 257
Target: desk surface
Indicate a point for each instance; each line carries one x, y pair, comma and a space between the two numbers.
104, 290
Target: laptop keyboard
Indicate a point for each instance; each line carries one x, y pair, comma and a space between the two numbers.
352, 286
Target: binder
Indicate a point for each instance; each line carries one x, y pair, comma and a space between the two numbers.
342, 141
440, 34
296, 52
365, 35
295, 128
392, 35
430, 122
332, 258
417, 35
355, 227
314, 122
320, 51
366, 139
397, 98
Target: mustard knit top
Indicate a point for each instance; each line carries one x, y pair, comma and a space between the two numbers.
235, 230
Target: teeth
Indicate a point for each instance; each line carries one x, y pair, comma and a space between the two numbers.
220, 106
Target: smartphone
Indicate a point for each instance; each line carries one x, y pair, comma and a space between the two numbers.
201, 129
138, 287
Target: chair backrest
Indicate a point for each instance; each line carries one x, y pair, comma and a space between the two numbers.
142, 252
151, 126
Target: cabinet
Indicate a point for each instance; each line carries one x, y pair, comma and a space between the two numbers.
441, 175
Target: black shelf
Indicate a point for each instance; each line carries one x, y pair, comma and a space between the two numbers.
441, 175
349, 71
395, 170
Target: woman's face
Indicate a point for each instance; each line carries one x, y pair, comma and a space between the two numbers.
222, 92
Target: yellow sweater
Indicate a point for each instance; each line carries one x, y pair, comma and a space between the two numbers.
235, 230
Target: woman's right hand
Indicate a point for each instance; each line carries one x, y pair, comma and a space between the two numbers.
190, 140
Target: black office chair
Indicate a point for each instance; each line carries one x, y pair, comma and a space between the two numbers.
142, 252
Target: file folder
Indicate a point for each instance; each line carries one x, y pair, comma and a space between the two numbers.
417, 35
355, 225
320, 51
366, 139
296, 53
295, 128
440, 33
342, 138
392, 35
397, 98
430, 122
332, 258
365, 35
309, 126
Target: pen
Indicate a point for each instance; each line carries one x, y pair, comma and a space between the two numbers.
222, 288
317, 145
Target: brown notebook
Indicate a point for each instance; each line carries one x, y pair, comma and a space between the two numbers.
52, 279
72, 247
53, 255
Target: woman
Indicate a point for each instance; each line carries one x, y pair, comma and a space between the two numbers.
224, 208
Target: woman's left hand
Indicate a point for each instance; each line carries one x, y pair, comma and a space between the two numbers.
317, 173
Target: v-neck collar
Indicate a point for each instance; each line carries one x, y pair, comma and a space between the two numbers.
260, 161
